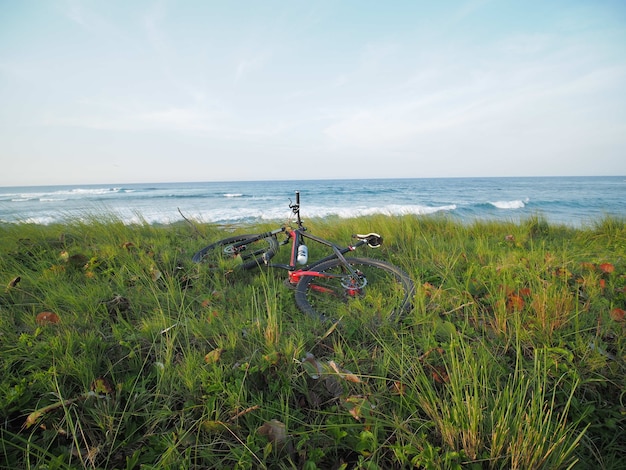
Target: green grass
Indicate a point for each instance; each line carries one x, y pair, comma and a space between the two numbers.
513, 355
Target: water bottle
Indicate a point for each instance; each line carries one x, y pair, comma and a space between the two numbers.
303, 254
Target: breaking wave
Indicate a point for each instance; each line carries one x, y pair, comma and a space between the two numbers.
515, 204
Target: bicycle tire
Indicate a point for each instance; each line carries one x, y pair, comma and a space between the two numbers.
222, 254
388, 291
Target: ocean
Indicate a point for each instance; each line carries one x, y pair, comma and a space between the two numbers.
573, 201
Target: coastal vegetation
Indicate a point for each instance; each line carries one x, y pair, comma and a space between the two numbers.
116, 351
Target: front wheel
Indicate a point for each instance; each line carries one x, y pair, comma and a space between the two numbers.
379, 290
238, 252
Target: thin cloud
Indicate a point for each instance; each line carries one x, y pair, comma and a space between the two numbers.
171, 119
152, 22
247, 66
76, 13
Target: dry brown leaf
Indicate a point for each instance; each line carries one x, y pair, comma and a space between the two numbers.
155, 274
440, 374
618, 314
358, 405
46, 318
344, 374
607, 268
213, 356
335, 367
352, 378
101, 386
398, 388
514, 303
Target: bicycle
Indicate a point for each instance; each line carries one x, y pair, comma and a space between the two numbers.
326, 288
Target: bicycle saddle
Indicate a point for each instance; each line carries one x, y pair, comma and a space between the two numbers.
373, 239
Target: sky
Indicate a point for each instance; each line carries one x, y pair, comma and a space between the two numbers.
95, 92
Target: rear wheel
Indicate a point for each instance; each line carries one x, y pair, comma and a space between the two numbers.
238, 252
380, 290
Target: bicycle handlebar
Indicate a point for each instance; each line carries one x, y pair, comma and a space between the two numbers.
296, 208
373, 240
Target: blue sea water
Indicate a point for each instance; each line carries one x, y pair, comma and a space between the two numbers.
574, 201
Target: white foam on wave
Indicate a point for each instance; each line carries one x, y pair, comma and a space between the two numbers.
42, 220
515, 204
96, 191
351, 212
54, 195
233, 195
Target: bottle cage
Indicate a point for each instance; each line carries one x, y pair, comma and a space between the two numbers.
373, 239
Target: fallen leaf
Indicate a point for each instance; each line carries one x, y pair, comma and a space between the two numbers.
101, 386
398, 388
45, 318
514, 303
440, 375
345, 374
355, 411
274, 431
563, 272
358, 406
428, 289
155, 274
273, 358
213, 356
607, 268
352, 378
618, 314
334, 367
128, 245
